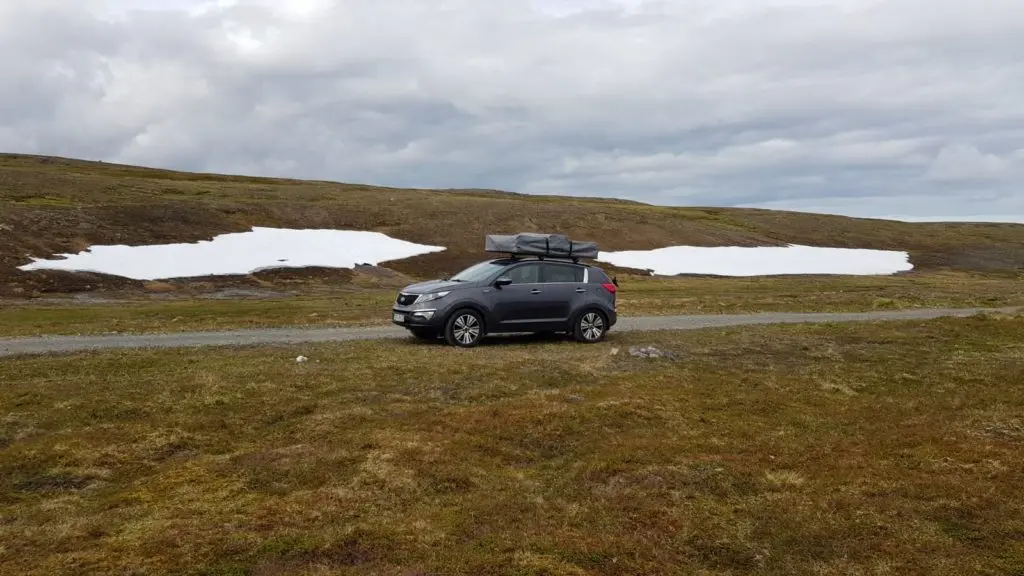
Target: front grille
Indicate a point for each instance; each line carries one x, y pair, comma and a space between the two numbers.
406, 299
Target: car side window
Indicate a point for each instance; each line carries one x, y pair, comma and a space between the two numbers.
525, 274
558, 273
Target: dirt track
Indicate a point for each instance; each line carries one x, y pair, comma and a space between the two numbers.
64, 344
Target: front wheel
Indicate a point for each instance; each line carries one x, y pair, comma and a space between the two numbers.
590, 327
464, 329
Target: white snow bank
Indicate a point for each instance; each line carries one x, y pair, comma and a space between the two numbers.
239, 253
760, 261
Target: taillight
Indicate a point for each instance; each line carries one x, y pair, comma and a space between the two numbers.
610, 287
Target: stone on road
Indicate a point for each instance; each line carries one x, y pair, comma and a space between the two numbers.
64, 344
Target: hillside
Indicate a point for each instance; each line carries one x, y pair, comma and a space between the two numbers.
55, 205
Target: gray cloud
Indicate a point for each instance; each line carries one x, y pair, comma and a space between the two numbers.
859, 106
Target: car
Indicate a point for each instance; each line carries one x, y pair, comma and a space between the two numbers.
516, 294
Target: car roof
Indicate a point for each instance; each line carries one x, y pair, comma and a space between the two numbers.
508, 261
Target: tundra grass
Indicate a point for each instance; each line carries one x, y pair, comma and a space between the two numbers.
638, 296
888, 448
54, 206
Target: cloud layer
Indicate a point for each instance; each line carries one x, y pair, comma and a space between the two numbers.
870, 107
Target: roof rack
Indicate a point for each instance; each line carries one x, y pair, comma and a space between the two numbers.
541, 246
541, 257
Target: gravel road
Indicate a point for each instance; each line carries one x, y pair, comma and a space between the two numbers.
64, 344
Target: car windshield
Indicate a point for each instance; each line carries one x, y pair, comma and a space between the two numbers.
478, 272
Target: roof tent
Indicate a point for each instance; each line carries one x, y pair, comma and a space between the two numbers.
542, 245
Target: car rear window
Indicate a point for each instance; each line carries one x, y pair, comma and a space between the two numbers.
562, 273
597, 276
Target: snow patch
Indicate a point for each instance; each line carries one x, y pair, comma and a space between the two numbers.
761, 261
239, 253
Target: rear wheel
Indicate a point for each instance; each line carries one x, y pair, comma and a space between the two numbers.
590, 327
464, 329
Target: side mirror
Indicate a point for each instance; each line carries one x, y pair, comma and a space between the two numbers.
502, 282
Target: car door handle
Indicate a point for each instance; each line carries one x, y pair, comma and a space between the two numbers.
535, 291
581, 290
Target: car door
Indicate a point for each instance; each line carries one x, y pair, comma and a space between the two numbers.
518, 306
560, 284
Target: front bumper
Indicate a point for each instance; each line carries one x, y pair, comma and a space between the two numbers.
416, 317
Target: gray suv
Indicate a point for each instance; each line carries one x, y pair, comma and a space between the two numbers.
510, 295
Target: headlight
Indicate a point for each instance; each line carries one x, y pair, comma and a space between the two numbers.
432, 297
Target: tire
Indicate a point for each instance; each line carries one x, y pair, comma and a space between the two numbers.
591, 326
464, 328
425, 333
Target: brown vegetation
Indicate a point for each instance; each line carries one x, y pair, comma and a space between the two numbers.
52, 205
891, 448
357, 299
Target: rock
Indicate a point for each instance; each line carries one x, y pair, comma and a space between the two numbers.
574, 399
649, 352
302, 359
615, 351
5, 228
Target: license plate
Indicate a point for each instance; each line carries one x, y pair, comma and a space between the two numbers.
398, 317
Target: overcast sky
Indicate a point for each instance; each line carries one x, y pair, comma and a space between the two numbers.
906, 108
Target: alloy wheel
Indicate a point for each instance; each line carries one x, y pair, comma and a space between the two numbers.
466, 329
592, 326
